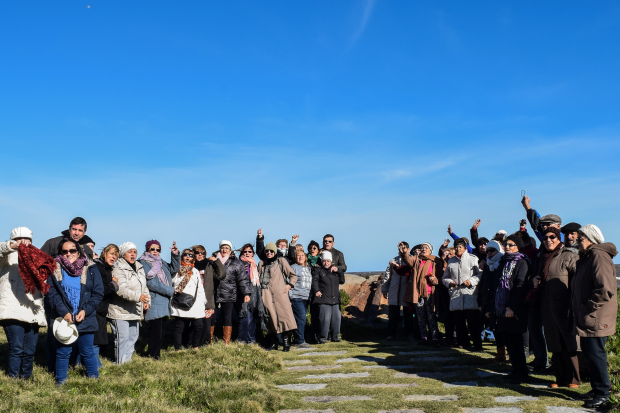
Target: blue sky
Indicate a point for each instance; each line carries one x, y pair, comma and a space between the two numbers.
376, 121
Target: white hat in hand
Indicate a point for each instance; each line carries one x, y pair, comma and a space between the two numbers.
64, 332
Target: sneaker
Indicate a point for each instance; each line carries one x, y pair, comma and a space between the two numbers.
302, 345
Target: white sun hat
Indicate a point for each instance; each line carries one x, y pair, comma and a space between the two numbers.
64, 332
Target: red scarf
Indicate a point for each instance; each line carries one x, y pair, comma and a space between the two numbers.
35, 267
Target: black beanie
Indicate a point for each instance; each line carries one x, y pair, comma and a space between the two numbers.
316, 244
517, 240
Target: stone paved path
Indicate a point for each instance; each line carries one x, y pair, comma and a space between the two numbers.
377, 378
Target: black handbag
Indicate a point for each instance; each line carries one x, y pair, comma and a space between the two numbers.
184, 301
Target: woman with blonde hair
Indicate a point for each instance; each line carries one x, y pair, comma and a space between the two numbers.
189, 301
299, 296
105, 264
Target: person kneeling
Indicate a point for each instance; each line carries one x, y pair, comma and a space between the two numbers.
326, 279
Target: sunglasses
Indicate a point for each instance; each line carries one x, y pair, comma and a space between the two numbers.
511, 245
201, 253
313, 248
550, 237
328, 242
187, 254
269, 252
491, 251
155, 249
71, 251
580, 239
248, 252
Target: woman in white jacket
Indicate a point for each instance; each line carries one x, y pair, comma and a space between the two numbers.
188, 281
21, 313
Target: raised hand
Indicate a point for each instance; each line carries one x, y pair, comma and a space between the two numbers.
450, 229
446, 242
174, 248
260, 233
526, 202
476, 224
294, 239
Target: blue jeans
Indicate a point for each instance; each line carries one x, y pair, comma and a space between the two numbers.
85, 345
78, 360
300, 310
247, 329
538, 344
22, 338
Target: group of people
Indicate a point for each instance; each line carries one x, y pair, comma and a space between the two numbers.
561, 297
75, 292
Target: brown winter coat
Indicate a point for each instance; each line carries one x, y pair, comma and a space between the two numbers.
214, 270
555, 301
275, 297
416, 284
594, 297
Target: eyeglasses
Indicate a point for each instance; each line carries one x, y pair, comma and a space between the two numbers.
71, 251
511, 245
580, 239
269, 252
248, 252
187, 254
550, 237
328, 242
155, 249
201, 253
314, 247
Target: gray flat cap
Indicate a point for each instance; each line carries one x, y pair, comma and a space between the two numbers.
551, 219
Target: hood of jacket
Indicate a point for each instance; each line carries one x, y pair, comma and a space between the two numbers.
607, 247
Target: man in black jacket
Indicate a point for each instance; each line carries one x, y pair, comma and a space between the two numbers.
338, 257
76, 232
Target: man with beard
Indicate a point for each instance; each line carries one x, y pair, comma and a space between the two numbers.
571, 233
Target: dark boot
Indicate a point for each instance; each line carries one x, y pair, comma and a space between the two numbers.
286, 341
274, 342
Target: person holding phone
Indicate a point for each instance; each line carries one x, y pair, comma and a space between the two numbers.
75, 292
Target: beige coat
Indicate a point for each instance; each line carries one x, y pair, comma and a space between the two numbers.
126, 305
275, 297
15, 302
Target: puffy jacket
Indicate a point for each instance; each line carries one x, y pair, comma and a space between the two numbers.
91, 294
327, 282
393, 284
337, 260
15, 302
160, 293
236, 283
126, 305
194, 288
458, 271
594, 292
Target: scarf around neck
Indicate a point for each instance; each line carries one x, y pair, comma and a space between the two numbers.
493, 263
253, 270
156, 267
73, 269
313, 260
424, 270
185, 272
503, 289
265, 277
222, 258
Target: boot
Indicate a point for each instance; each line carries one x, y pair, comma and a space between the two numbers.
274, 342
501, 354
286, 341
211, 337
227, 334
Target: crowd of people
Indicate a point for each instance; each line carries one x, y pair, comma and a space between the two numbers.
559, 298
76, 293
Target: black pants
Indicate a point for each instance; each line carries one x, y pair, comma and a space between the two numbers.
514, 345
472, 318
394, 321
183, 324
226, 311
449, 326
594, 351
566, 367
205, 337
157, 333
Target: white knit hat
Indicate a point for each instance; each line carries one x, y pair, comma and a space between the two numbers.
503, 232
429, 245
593, 233
326, 255
64, 332
496, 245
126, 247
224, 242
21, 232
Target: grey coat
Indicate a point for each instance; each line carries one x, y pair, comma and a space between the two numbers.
394, 285
161, 294
458, 271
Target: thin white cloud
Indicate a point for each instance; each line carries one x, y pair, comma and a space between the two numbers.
368, 7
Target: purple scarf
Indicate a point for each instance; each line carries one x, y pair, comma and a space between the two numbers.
503, 289
156, 267
73, 269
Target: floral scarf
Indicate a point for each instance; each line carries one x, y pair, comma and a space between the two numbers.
73, 269
503, 289
156, 267
185, 272
253, 270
